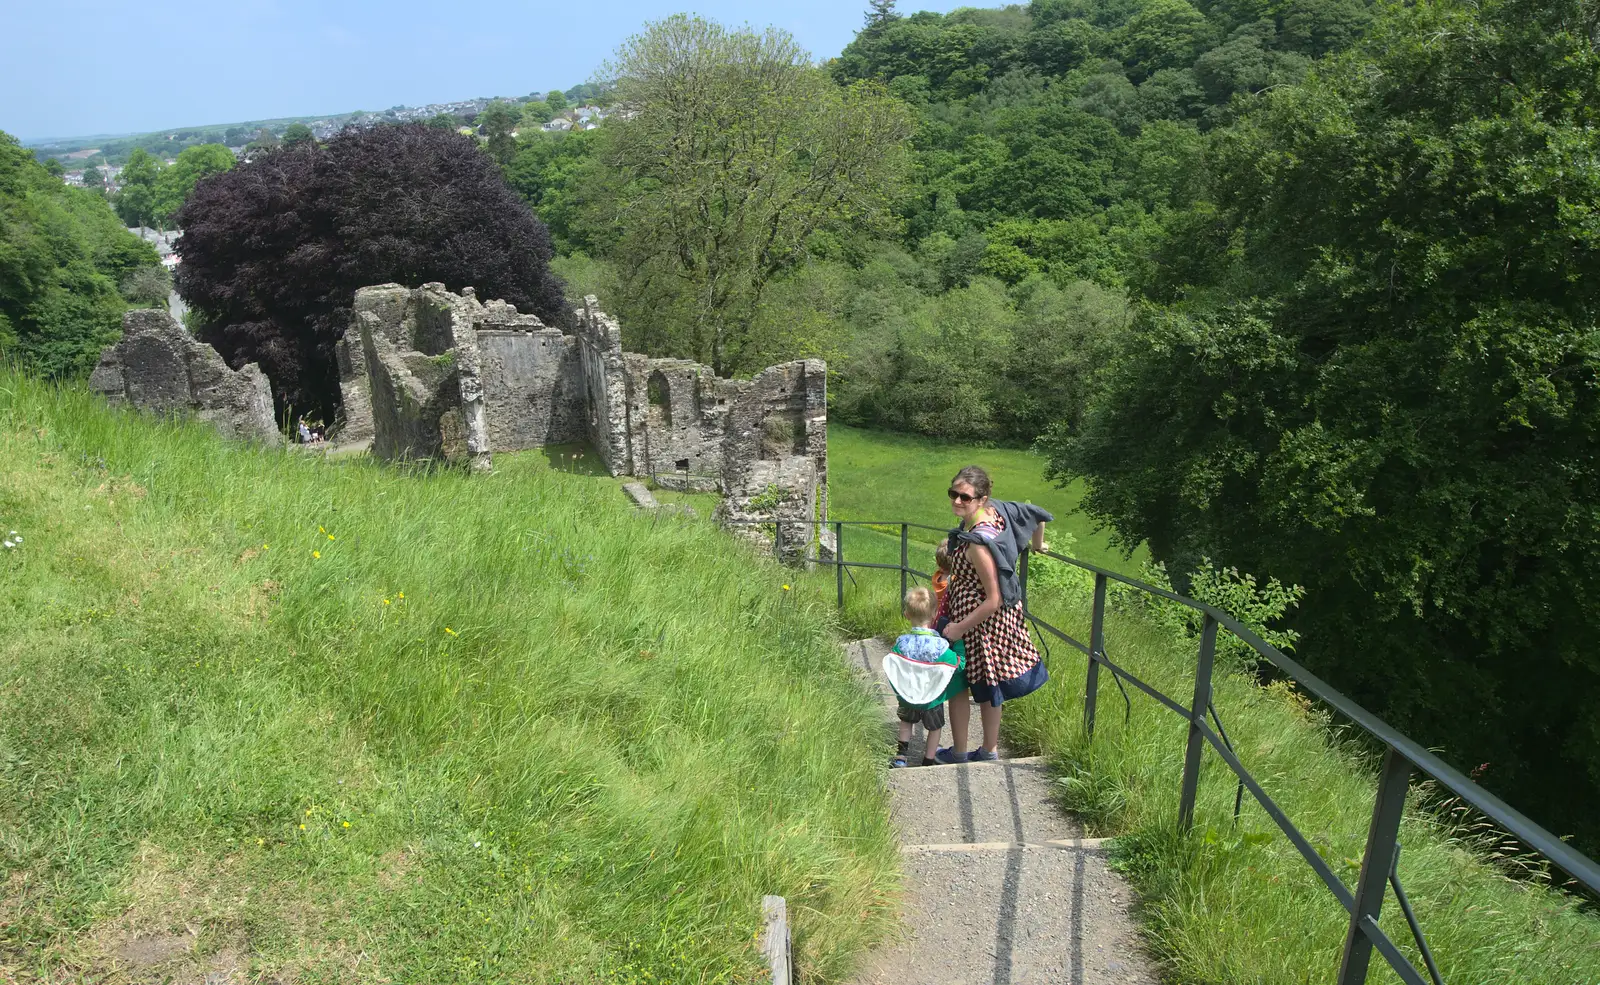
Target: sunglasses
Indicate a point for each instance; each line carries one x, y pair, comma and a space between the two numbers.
960, 497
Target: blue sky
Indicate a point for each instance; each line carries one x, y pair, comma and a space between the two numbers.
78, 67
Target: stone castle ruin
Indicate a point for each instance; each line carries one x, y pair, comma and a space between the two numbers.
158, 366
429, 374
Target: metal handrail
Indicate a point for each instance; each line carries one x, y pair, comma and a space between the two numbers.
1402, 755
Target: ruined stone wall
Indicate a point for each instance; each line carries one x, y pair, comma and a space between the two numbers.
599, 341
158, 366
422, 390
775, 451
445, 376
533, 387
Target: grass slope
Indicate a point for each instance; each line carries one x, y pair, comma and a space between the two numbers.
336, 722
1234, 904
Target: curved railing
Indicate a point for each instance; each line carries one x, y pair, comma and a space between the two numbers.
1402, 755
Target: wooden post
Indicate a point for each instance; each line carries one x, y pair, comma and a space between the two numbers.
775, 945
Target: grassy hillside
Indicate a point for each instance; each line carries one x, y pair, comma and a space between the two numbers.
1234, 904
336, 722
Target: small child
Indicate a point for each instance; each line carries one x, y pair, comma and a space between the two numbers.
941, 586
924, 669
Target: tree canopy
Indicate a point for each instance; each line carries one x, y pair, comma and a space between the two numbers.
296, 133
176, 181
136, 201
63, 254
1374, 371
734, 151
274, 250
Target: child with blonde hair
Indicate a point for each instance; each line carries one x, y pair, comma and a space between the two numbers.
924, 669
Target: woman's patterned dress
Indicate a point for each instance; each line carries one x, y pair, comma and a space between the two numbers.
999, 648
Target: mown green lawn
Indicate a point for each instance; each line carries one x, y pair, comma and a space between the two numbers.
880, 475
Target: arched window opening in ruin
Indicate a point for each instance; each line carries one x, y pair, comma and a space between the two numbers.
660, 397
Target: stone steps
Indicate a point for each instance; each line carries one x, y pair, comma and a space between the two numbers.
1001, 886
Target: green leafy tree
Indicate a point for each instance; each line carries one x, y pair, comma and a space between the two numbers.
265, 141
556, 100
62, 254
495, 124
177, 180
54, 168
297, 133
136, 201
95, 179
1164, 34
736, 153
548, 171
147, 287
443, 121
535, 114
1379, 378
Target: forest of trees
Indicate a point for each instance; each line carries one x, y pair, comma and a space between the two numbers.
64, 260
1304, 288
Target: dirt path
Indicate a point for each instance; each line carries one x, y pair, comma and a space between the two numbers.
1001, 887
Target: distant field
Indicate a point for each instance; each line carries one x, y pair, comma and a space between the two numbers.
881, 475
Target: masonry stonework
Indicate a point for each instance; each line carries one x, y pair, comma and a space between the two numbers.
430, 374
157, 366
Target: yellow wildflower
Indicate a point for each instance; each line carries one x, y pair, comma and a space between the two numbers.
385, 601
263, 547
302, 827
322, 529
786, 588
316, 553
401, 595
330, 536
450, 631
347, 824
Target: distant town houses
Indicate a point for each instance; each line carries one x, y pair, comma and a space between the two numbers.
244, 146
582, 118
165, 243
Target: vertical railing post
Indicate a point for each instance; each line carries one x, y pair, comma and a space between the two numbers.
904, 557
1376, 863
1097, 646
1197, 717
838, 561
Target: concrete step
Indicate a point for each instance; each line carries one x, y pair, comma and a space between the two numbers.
1005, 801
1001, 887
1014, 917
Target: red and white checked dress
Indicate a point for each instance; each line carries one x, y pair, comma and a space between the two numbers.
999, 648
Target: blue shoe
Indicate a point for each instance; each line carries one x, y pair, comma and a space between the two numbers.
898, 763
982, 755
949, 757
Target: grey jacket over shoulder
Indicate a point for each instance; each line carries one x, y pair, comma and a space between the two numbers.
1022, 519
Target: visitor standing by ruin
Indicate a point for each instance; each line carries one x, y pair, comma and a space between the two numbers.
985, 608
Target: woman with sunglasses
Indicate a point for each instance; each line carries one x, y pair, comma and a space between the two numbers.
985, 608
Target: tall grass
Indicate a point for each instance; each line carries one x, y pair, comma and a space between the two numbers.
1231, 903
1234, 902
361, 724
